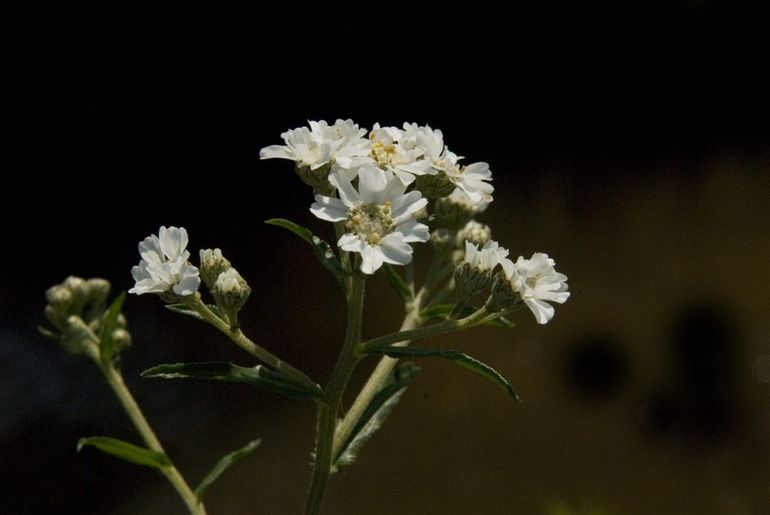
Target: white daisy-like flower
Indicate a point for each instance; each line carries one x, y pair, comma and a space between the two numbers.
342, 144
487, 259
536, 281
164, 264
389, 154
459, 197
472, 179
379, 217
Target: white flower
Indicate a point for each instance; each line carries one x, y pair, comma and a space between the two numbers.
474, 232
164, 264
342, 144
405, 162
471, 179
486, 259
536, 281
379, 217
459, 197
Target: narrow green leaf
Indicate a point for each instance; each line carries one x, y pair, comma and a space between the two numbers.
222, 465
397, 282
109, 321
441, 311
258, 376
126, 451
458, 357
323, 251
184, 309
376, 413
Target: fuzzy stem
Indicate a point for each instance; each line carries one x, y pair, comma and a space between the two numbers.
327, 411
148, 435
240, 339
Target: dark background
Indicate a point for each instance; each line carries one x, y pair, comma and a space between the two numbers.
631, 143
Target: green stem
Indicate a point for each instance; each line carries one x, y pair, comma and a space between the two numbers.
373, 385
240, 339
327, 412
148, 435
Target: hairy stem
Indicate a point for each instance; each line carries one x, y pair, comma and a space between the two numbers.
148, 435
240, 339
327, 411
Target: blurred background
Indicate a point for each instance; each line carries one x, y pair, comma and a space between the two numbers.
630, 143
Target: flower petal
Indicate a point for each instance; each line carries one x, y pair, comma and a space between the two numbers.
329, 209
371, 259
395, 250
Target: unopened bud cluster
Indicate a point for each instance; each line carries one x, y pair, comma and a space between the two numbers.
229, 289
77, 308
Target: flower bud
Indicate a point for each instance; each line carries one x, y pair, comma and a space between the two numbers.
230, 293
442, 240
121, 339
503, 294
318, 178
434, 186
79, 289
213, 263
98, 291
474, 232
59, 299
470, 280
78, 338
452, 215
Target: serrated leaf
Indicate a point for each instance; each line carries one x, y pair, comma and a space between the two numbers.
376, 412
110, 319
441, 312
126, 451
397, 282
323, 251
259, 376
222, 465
457, 357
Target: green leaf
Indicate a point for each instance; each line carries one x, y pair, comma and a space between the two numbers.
222, 465
441, 311
376, 412
126, 451
110, 319
458, 357
397, 282
323, 251
184, 309
259, 376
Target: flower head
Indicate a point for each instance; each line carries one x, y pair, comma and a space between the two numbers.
164, 264
405, 160
475, 272
378, 217
321, 144
537, 281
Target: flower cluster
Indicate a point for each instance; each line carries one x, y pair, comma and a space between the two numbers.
375, 187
